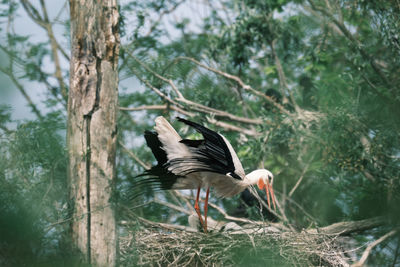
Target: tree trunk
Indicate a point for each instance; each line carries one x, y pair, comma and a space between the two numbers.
92, 131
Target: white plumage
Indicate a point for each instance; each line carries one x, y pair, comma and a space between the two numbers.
170, 139
195, 164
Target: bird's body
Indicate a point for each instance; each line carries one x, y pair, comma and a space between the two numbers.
196, 164
223, 186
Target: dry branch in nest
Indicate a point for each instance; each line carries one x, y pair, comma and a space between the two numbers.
159, 246
236, 241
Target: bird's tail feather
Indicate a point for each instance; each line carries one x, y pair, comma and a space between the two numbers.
155, 179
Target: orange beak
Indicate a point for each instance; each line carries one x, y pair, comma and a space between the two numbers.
269, 187
269, 190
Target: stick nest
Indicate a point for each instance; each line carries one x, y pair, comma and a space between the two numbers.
155, 246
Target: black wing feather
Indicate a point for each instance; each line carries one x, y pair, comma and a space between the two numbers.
156, 147
158, 177
211, 154
192, 143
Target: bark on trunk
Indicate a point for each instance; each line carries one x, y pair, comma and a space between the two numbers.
92, 107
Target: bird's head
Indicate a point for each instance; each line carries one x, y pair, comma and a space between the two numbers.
264, 180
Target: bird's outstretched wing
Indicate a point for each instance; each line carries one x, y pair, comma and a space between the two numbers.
213, 154
157, 177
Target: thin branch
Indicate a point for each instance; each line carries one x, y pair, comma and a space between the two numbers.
234, 128
346, 228
172, 206
173, 194
239, 81
282, 211
149, 107
144, 165
282, 217
301, 177
357, 45
299, 207
54, 49
50, 226
244, 220
185, 199
44, 22
157, 91
75, 218
219, 113
367, 251
237, 219
11, 75
161, 15
170, 82
159, 107
56, 18
396, 252
190, 104
161, 225
282, 77
5, 129
33, 13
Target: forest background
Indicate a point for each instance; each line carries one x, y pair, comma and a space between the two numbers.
306, 89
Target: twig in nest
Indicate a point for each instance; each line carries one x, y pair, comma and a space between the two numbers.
193, 249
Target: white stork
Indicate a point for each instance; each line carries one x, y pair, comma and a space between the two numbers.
196, 164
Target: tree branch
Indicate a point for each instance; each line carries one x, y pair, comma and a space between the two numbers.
172, 206
157, 91
160, 225
367, 251
33, 13
299, 207
161, 15
45, 23
240, 82
28, 99
190, 104
54, 48
282, 78
301, 177
149, 107
230, 127
130, 153
357, 45
346, 228
159, 107
237, 219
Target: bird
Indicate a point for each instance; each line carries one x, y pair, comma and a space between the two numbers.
196, 164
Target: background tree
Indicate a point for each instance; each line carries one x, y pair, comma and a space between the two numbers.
92, 129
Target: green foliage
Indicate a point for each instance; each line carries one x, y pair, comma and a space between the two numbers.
341, 73
32, 192
337, 78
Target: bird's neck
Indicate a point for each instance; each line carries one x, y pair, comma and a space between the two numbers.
253, 177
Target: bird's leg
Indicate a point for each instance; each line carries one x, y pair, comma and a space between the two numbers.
206, 208
196, 207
